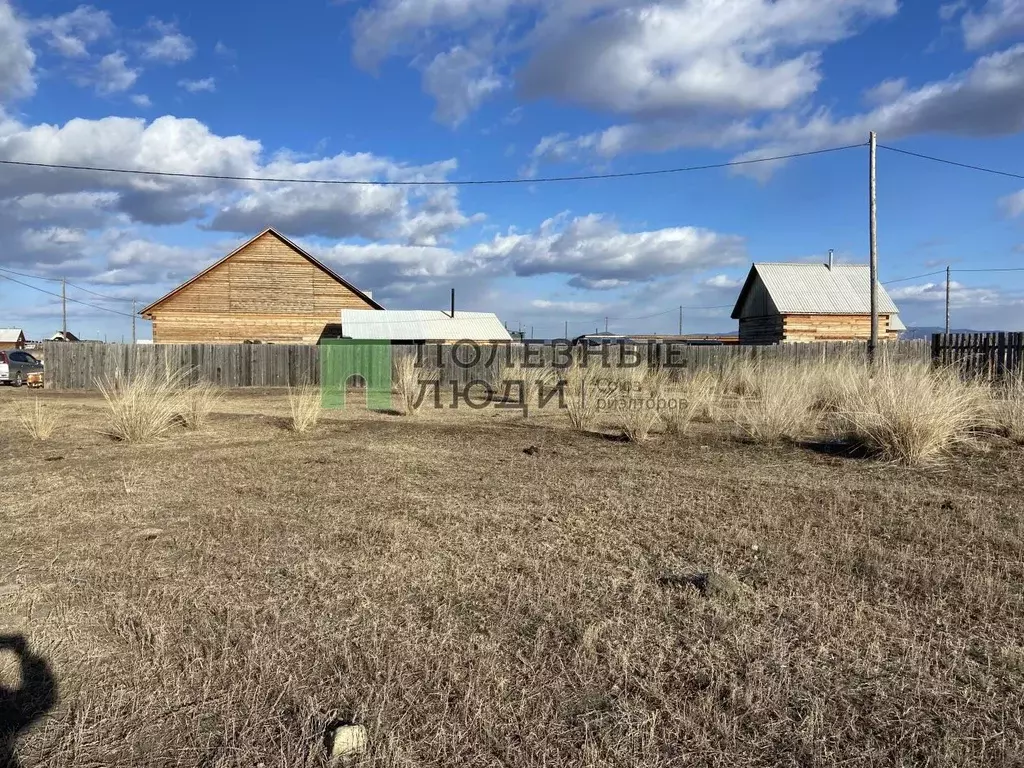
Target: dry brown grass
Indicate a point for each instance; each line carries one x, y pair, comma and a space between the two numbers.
40, 420
643, 398
912, 414
1008, 408
696, 397
142, 407
583, 387
409, 380
196, 404
305, 406
531, 381
783, 406
474, 606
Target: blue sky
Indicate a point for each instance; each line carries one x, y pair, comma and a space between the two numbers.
445, 90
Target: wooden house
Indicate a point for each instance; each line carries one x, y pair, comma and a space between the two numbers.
812, 302
12, 338
268, 290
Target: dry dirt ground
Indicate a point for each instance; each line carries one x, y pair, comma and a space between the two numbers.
218, 599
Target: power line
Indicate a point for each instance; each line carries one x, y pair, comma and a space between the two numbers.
57, 280
994, 269
76, 301
954, 162
914, 277
426, 183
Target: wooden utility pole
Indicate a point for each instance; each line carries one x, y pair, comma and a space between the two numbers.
873, 225
133, 321
64, 307
680, 321
566, 330
947, 298
606, 325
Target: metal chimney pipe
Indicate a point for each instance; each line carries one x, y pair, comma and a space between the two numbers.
453, 303
830, 259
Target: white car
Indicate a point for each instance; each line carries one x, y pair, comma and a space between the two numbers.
16, 365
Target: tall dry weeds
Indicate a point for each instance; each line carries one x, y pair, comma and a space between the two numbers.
196, 405
782, 409
38, 421
640, 404
582, 387
694, 398
410, 377
305, 407
1008, 408
911, 414
529, 380
142, 406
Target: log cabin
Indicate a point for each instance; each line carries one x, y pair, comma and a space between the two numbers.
268, 290
785, 303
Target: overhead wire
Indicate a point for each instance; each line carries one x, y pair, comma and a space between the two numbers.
956, 163
76, 301
427, 182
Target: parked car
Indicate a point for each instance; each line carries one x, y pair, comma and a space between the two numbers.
16, 365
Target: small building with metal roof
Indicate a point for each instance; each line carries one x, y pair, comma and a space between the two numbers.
418, 326
12, 338
812, 302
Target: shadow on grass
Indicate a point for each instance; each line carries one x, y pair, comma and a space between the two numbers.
839, 449
21, 707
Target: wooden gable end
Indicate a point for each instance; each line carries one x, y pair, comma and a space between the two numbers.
266, 276
758, 302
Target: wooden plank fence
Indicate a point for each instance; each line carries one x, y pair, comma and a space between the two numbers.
80, 366
987, 355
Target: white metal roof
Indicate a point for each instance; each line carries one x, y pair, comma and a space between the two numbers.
815, 289
10, 334
426, 325
895, 324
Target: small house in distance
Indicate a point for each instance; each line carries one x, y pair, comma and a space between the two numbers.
267, 290
64, 336
12, 338
421, 326
812, 302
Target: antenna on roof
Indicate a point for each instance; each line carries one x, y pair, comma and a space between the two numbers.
830, 259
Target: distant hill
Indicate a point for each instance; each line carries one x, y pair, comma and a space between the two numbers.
926, 331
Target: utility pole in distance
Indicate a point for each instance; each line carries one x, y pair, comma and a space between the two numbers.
566, 330
680, 321
873, 226
133, 321
64, 307
947, 299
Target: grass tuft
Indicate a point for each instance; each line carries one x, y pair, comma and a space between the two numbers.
196, 404
912, 415
142, 407
696, 397
529, 380
38, 421
582, 386
305, 407
409, 380
639, 406
782, 409
1008, 408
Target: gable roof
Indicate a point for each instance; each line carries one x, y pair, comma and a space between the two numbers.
815, 289
269, 230
426, 325
11, 334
